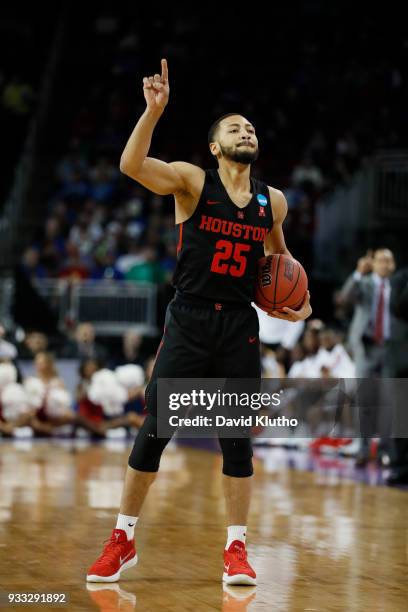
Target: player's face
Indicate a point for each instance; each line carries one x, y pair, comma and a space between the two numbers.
237, 140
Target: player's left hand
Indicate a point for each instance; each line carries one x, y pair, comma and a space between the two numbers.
294, 315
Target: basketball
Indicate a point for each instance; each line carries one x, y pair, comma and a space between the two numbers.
281, 281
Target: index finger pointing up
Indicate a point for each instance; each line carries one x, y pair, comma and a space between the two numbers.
164, 70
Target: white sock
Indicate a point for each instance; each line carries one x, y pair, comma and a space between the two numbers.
127, 523
235, 532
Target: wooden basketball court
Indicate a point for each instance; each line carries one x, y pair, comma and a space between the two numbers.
317, 540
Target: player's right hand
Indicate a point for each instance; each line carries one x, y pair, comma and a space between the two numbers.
156, 89
365, 264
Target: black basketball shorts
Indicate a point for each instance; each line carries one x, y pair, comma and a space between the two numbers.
206, 340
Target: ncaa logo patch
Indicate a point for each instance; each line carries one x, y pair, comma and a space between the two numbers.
262, 200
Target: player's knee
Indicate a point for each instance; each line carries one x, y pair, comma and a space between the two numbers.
148, 448
238, 468
237, 457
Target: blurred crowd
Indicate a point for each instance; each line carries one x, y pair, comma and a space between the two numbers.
314, 129
41, 404
104, 231
109, 392
368, 339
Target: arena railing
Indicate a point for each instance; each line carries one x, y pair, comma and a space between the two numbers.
391, 185
357, 216
111, 306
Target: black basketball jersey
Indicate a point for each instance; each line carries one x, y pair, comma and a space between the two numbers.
220, 244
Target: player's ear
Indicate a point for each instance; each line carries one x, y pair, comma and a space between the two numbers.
214, 148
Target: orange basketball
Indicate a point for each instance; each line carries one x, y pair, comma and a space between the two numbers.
281, 281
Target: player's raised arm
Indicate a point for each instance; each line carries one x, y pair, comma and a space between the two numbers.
158, 176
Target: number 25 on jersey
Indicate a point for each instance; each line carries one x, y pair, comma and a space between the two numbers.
229, 258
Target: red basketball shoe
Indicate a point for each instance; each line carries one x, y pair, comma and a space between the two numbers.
118, 554
236, 567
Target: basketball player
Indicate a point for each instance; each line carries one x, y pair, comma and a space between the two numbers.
226, 221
